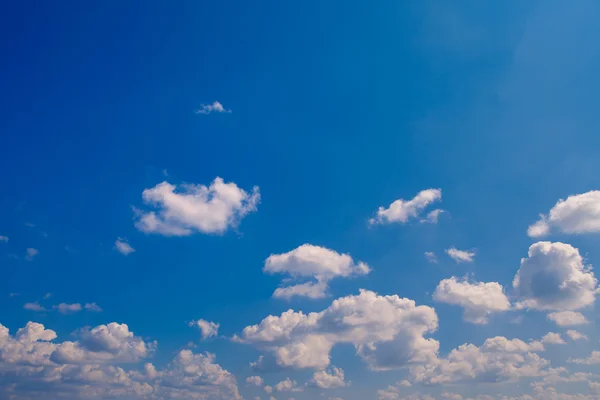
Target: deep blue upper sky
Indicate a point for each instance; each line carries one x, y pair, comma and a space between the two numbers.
337, 108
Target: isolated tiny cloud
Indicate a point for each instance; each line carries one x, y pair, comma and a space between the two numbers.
3, 238
65, 308
188, 208
401, 211
208, 329
34, 307
317, 263
460, 256
431, 257
93, 307
215, 107
577, 214
123, 247
553, 277
30, 253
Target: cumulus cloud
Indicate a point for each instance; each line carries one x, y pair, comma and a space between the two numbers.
255, 380
576, 215
34, 307
288, 385
431, 257
208, 329
30, 253
329, 379
123, 247
478, 299
387, 332
460, 256
215, 106
186, 209
567, 318
552, 338
31, 367
592, 359
553, 277
312, 262
400, 211
574, 335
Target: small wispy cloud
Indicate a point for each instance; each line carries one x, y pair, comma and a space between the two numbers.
431, 257
92, 307
123, 247
210, 108
65, 308
30, 253
47, 295
3, 239
460, 256
34, 307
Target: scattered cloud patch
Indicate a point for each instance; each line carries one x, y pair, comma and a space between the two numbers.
288, 385
460, 256
577, 214
312, 262
255, 380
30, 253
431, 257
34, 307
207, 329
432, 217
329, 379
592, 359
552, 338
553, 277
215, 107
123, 247
65, 308
567, 318
4, 239
401, 211
575, 335
186, 209
93, 307
478, 299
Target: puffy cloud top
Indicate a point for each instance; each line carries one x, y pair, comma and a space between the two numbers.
576, 215
400, 211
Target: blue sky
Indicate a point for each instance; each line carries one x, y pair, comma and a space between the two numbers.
314, 115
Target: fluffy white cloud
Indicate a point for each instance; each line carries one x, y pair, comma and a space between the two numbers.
65, 308
479, 299
329, 379
288, 385
387, 332
401, 210
553, 277
123, 247
431, 257
215, 106
104, 343
433, 216
552, 338
574, 335
312, 262
189, 208
208, 329
30, 253
567, 318
460, 256
577, 214
255, 380
498, 359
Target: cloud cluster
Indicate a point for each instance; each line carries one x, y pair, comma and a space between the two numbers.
312, 262
401, 211
576, 215
387, 332
186, 209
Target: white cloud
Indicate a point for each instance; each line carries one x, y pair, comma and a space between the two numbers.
184, 210
312, 262
460, 256
123, 247
3, 239
104, 343
34, 307
431, 257
255, 380
552, 338
574, 335
47, 295
576, 215
30, 253
208, 329
553, 277
65, 308
329, 379
387, 332
479, 299
433, 216
215, 106
401, 210
92, 307
592, 359
288, 385
567, 318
